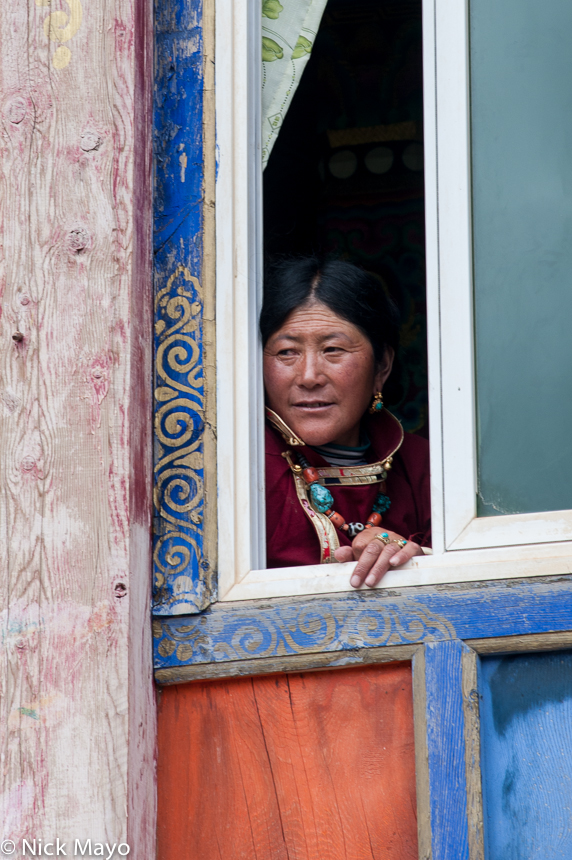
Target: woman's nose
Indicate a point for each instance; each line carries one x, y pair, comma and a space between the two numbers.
310, 370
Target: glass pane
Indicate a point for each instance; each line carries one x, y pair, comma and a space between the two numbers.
521, 118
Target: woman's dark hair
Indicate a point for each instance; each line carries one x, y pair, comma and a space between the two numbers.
347, 290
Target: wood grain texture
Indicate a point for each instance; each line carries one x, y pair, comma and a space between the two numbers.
446, 748
514, 644
141, 762
469, 662
289, 766
264, 629
421, 755
526, 713
293, 663
77, 723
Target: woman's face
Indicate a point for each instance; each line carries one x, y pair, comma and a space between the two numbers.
320, 375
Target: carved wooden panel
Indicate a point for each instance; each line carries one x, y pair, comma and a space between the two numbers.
249, 631
184, 556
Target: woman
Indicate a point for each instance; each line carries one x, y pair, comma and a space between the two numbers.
343, 481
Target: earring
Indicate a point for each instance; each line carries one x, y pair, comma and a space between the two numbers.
376, 403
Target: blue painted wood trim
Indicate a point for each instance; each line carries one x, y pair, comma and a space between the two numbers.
446, 750
346, 622
526, 745
181, 576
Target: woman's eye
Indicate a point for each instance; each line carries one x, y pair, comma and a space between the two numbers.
286, 353
333, 350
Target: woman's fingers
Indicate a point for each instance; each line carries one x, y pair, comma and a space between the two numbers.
376, 559
344, 553
373, 563
364, 538
381, 565
405, 554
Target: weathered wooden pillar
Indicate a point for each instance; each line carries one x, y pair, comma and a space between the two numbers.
77, 707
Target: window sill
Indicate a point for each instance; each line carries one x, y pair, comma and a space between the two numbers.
460, 566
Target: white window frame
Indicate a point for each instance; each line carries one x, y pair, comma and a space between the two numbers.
465, 547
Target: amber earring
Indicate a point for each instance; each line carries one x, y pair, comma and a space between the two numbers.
376, 403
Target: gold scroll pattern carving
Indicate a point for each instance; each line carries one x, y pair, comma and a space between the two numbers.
324, 626
178, 470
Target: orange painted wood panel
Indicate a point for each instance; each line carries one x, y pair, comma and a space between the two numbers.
312, 766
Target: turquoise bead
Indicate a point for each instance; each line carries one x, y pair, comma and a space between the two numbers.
382, 503
378, 407
321, 497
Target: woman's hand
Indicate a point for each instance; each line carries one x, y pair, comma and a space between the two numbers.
374, 559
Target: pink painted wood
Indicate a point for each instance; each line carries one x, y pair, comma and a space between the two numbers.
77, 721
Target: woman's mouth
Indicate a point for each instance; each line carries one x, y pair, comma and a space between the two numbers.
313, 405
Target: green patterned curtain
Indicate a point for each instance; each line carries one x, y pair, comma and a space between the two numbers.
288, 32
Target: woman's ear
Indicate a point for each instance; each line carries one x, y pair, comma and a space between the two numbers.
383, 369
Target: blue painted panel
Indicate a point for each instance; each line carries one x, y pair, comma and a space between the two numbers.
345, 622
446, 747
181, 574
526, 742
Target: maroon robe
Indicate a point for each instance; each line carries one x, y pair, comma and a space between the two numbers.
291, 539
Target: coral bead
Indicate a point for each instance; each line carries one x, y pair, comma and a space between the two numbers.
337, 520
373, 520
310, 475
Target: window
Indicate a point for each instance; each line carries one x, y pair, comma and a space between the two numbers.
463, 642
512, 262
463, 278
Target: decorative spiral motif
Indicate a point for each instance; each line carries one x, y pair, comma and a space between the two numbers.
179, 468
311, 631
255, 639
184, 490
177, 423
177, 357
172, 560
374, 628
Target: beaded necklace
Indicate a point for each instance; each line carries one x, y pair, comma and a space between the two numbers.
323, 501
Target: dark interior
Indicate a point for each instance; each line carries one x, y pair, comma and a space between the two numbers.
345, 177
